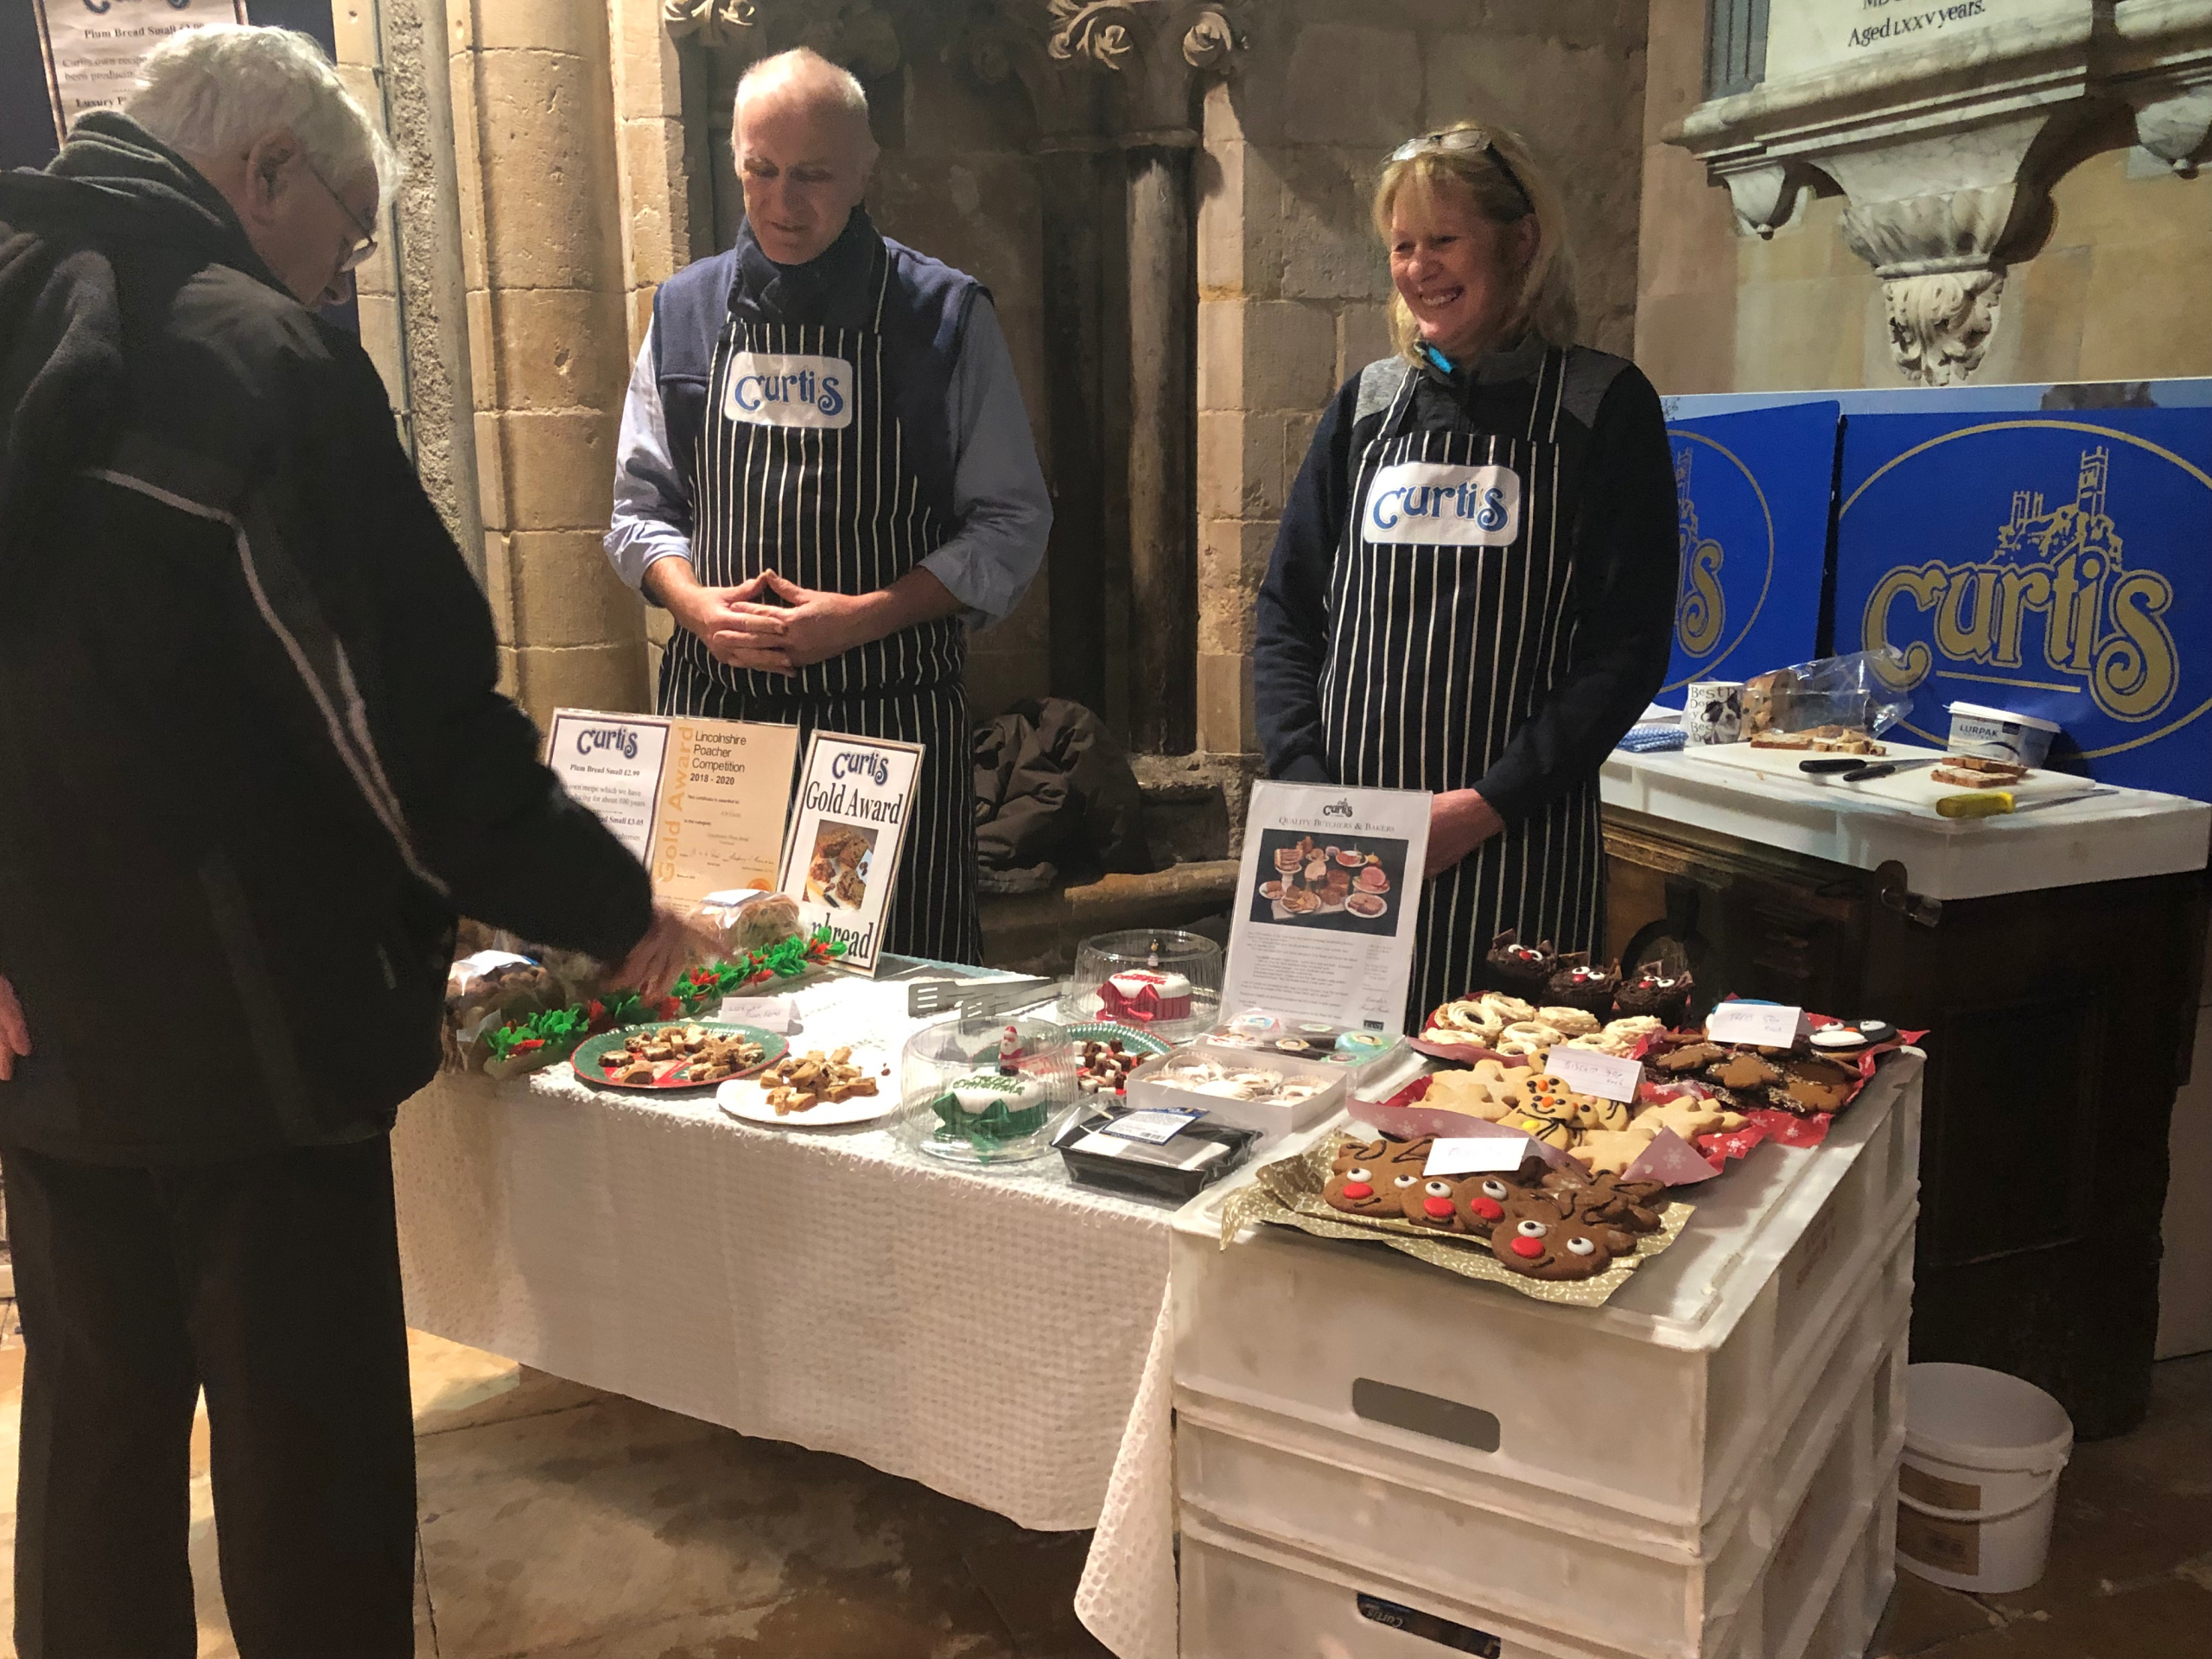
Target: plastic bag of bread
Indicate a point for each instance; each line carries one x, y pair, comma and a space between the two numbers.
750, 918
1864, 692
488, 988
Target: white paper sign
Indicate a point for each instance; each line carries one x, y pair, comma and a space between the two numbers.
1157, 1124
848, 826
1588, 1072
768, 1013
93, 48
1766, 1025
1328, 898
611, 764
1487, 1154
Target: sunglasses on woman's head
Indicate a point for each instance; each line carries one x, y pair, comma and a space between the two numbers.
1467, 138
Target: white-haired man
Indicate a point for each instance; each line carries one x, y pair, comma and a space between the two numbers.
255, 762
826, 475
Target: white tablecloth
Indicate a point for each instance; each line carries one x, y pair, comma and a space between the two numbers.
985, 1332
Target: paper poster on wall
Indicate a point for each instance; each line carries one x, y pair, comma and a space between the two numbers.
2054, 564
702, 803
1751, 493
1328, 899
848, 824
92, 48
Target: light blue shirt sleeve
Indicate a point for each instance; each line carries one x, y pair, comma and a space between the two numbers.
652, 511
1005, 513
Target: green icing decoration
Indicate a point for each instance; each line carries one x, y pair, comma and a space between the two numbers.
996, 1124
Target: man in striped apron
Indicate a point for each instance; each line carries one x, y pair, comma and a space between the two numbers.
827, 476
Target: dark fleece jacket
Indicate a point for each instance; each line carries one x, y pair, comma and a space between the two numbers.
252, 759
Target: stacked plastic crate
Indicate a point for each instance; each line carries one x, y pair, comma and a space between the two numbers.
1374, 1457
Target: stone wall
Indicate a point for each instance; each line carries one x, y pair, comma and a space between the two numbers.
1292, 280
2116, 292
546, 267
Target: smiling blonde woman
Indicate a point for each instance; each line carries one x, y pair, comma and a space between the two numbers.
1472, 588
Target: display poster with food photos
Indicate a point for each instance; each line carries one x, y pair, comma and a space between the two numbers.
1323, 920
848, 824
702, 803
92, 48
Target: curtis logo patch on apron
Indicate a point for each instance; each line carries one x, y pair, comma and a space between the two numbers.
775, 389
1440, 505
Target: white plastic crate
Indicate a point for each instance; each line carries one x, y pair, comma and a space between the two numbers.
1716, 1339
1575, 1568
1247, 1597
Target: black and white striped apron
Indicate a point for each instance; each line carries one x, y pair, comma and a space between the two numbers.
1440, 647
801, 468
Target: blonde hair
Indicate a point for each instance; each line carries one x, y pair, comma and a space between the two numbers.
1490, 172
220, 86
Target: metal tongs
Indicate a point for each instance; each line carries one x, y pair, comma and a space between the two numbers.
973, 998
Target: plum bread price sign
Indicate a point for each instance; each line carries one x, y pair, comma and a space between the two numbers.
2053, 565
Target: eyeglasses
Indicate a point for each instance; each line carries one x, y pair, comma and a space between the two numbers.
367, 245
1467, 138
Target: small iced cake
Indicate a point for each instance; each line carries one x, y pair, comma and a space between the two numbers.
991, 1108
1146, 994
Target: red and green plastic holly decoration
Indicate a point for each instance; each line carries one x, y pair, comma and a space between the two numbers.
557, 1033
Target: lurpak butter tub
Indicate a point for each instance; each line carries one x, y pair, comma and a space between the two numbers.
2001, 735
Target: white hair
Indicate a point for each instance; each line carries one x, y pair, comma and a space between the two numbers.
834, 85
216, 88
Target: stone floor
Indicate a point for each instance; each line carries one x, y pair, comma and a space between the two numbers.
561, 1523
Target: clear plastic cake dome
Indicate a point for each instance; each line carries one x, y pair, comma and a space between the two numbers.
979, 1089
1162, 981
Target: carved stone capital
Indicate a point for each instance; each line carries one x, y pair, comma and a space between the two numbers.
1946, 147
1066, 99
1940, 323
853, 33
1154, 50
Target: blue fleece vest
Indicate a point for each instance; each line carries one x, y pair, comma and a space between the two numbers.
924, 319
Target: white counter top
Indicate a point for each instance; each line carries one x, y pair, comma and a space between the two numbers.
2115, 834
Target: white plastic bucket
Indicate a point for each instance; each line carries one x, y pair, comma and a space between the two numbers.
1982, 1456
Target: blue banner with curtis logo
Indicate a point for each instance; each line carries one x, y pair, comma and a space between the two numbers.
2056, 564
1753, 493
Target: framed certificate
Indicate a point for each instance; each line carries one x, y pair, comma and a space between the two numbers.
702, 803
848, 828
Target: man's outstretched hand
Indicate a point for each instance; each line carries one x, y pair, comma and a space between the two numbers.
14, 1032
673, 943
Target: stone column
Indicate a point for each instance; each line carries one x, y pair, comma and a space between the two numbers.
1076, 571
544, 244
667, 201
441, 391
1150, 49
1163, 529
1066, 101
409, 295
